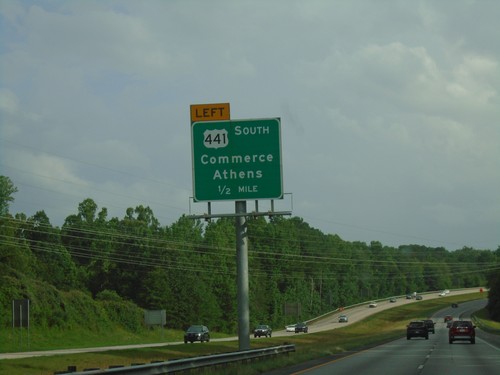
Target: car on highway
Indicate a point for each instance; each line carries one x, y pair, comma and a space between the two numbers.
196, 333
301, 327
418, 297
393, 299
447, 318
372, 304
429, 323
417, 328
262, 330
343, 318
462, 330
409, 296
290, 328
454, 305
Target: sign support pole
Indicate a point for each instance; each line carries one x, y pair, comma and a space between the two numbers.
242, 276
236, 160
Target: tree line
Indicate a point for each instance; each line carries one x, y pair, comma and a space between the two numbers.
188, 268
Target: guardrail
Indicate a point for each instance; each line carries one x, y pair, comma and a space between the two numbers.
186, 364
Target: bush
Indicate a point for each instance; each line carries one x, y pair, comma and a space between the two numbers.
108, 295
124, 313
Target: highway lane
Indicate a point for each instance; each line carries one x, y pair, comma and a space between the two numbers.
420, 356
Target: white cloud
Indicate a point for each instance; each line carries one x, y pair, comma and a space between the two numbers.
387, 113
45, 171
473, 78
9, 103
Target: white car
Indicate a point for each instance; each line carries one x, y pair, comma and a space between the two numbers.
343, 318
372, 304
290, 328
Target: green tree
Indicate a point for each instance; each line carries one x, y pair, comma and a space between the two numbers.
157, 293
54, 263
218, 256
15, 254
87, 237
7, 191
493, 306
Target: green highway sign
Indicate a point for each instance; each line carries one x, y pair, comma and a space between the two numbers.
237, 160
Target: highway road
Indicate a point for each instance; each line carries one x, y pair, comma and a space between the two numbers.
327, 322
420, 356
361, 311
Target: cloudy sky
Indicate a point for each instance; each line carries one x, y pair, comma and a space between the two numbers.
390, 110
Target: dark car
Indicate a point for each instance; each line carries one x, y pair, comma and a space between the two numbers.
419, 297
448, 318
454, 305
417, 329
262, 330
462, 330
196, 333
301, 327
429, 323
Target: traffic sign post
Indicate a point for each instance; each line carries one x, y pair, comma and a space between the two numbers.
237, 160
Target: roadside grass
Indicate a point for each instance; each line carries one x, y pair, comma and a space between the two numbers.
390, 324
54, 338
482, 320
40, 339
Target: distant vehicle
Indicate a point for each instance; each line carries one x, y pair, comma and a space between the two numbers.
429, 323
462, 330
442, 294
447, 318
372, 304
409, 296
343, 318
196, 333
262, 330
290, 328
418, 297
417, 328
393, 299
454, 305
446, 291
301, 327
